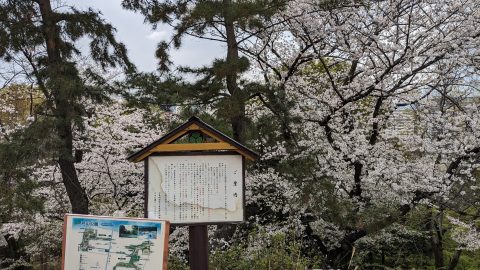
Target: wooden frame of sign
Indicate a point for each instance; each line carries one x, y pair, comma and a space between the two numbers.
212, 163
103, 243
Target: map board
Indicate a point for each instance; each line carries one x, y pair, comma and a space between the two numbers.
196, 188
106, 243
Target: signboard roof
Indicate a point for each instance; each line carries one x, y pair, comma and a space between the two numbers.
221, 142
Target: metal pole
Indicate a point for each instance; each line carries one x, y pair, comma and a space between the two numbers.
198, 247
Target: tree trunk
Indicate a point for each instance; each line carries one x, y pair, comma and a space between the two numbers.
237, 118
437, 241
455, 259
340, 257
57, 74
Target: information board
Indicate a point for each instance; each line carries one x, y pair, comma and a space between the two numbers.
106, 243
196, 188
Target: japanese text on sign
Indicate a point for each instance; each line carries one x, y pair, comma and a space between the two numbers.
205, 188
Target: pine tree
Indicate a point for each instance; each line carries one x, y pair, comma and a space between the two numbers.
230, 22
41, 41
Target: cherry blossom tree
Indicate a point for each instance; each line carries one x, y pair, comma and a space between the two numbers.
340, 83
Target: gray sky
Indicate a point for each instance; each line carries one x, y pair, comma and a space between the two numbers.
141, 40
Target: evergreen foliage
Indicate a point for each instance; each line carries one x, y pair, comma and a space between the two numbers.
220, 86
43, 39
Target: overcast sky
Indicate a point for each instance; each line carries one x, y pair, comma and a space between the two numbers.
141, 40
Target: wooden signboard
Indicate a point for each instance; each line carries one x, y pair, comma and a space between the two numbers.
107, 243
194, 175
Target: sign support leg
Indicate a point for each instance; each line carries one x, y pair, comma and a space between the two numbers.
198, 247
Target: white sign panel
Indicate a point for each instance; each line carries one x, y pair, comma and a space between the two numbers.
104, 243
195, 189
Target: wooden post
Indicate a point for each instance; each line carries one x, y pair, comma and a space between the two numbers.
198, 247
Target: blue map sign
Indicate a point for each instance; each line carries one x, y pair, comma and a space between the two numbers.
106, 243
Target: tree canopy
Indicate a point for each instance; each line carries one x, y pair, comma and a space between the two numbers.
365, 114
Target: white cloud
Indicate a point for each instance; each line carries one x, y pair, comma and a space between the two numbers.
158, 35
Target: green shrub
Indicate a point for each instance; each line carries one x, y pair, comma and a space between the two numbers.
262, 252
